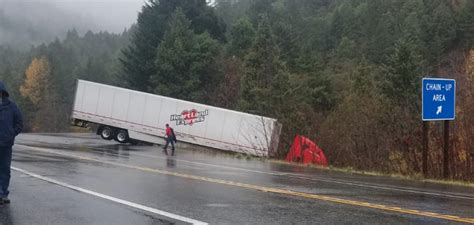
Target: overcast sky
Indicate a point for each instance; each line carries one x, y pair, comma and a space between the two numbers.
110, 15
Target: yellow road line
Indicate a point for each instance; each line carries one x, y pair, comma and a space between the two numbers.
270, 189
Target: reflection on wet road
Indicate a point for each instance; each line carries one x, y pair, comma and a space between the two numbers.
208, 186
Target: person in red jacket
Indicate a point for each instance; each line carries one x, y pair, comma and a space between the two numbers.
170, 138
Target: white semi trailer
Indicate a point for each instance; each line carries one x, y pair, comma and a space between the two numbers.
127, 115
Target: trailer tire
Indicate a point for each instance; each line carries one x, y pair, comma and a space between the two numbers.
122, 136
106, 132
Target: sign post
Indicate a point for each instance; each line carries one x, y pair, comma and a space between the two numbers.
446, 150
438, 103
425, 148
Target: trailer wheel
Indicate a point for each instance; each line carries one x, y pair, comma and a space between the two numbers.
106, 133
122, 136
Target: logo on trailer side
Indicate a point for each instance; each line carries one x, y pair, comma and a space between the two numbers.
189, 117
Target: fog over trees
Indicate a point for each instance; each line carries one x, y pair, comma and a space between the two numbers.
31, 22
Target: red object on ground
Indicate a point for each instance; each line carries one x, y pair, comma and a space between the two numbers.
306, 151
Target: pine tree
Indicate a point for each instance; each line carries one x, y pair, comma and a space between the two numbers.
242, 36
465, 22
138, 59
185, 62
439, 30
265, 80
403, 74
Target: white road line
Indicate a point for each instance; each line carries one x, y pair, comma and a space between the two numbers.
113, 199
327, 180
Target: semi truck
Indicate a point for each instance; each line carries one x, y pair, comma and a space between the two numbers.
128, 116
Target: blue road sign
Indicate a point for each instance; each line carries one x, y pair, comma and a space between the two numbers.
438, 99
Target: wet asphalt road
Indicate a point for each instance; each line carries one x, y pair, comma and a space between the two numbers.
93, 181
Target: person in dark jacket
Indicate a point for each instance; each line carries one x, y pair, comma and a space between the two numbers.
11, 124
